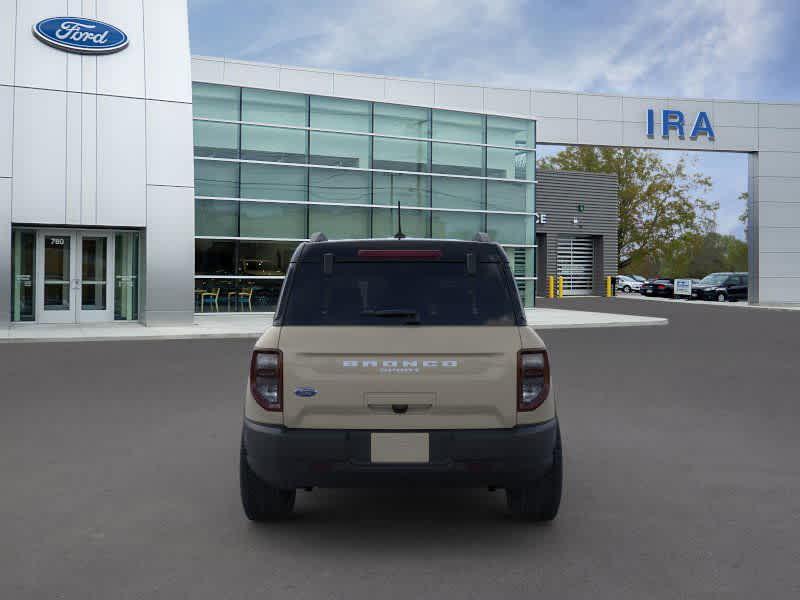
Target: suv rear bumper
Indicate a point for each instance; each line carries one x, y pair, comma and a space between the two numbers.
294, 458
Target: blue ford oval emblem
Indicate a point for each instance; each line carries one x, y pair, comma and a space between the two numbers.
76, 34
305, 392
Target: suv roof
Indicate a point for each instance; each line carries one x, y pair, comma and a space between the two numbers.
450, 249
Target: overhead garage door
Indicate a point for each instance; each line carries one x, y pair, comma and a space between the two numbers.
576, 264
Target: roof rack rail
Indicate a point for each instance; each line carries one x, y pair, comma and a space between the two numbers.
481, 236
318, 236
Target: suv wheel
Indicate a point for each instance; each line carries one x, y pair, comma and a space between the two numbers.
539, 501
721, 297
261, 501
627, 289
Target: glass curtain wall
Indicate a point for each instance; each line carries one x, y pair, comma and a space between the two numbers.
273, 167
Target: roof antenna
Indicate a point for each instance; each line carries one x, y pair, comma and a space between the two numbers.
399, 235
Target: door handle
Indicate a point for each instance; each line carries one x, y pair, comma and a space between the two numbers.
76, 284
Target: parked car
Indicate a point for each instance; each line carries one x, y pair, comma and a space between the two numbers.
627, 284
638, 278
400, 363
722, 287
662, 288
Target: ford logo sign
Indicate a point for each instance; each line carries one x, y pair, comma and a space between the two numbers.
84, 36
305, 392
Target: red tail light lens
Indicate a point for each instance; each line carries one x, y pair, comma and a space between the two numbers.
266, 379
661, 287
533, 379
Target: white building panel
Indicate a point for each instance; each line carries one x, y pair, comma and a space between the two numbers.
735, 114
778, 239
74, 158
74, 72
250, 75
36, 64
166, 37
169, 144
779, 290
8, 23
735, 139
634, 109
89, 75
306, 81
556, 131
779, 115
6, 126
357, 86
462, 97
599, 108
600, 133
555, 104
89, 159
779, 264
779, 189
122, 73
634, 135
39, 156
507, 102
780, 140
778, 164
408, 91
206, 69
121, 168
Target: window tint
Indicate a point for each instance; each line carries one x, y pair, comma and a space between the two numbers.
399, 293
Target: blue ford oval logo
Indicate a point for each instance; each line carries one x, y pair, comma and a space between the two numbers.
305, 392
76, 34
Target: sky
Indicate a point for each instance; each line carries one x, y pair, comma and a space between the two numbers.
732, 49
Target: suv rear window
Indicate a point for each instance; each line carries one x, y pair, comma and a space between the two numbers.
400, 293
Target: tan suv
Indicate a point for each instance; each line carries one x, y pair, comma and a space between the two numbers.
400, 363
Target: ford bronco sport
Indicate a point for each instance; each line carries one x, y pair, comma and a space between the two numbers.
397, 363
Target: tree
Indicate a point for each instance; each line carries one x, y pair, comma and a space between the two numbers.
659, 202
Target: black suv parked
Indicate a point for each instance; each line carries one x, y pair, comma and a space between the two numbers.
721, 287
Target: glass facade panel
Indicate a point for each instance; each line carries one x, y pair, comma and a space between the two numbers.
273, 144
57, 258
339, 185
409, 190
509, 164
452, 192
457, 159
216, 178
507, 131
126, 276
220, 140
337, 113
273, 182
215, 295
339, 150
416, 223
370, 170
215, 101
267, 220
260, 259
455, 225
216, 218
280, 108
339, 222
510, 229
214, 257
406, 121
510, 196
400, 155
23, 261
457, 126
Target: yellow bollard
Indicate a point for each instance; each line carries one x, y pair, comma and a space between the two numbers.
551, 287
560, 286
608, 287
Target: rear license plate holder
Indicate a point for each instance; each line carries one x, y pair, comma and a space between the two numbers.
399, 447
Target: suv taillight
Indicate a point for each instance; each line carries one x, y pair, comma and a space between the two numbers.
266, 379
533, 379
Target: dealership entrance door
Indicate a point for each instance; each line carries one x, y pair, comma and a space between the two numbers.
575, 263
74, 275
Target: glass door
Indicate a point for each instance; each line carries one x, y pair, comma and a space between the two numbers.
95, 275
74, 274
56, 277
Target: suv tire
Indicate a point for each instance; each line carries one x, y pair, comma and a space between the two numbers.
627, 289
261, 501
722, 297
539, 501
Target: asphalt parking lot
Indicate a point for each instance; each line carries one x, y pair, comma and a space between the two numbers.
119, 470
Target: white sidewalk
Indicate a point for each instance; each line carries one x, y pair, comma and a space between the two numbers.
251, 326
